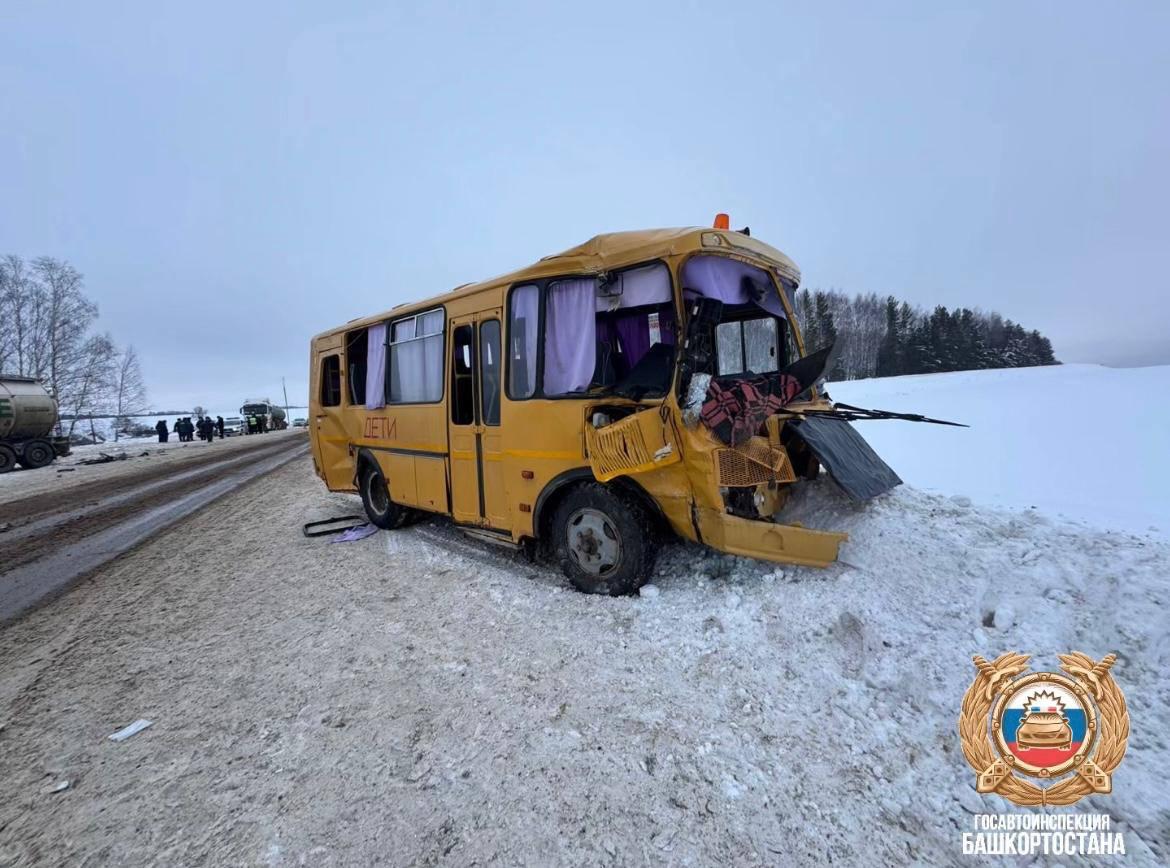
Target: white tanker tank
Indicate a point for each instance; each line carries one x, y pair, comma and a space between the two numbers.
28, 414
273, 416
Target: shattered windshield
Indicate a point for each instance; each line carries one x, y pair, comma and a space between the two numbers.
748, 346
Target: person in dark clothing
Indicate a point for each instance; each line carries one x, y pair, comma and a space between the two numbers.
161, 428
178, 429
188, 429
201, 427
206, 429
263, 423
219, 426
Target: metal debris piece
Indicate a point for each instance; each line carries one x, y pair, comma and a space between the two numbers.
133, 729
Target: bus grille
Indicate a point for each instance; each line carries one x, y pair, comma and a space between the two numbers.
753, 463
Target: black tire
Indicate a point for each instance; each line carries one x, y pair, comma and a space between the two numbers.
601, 539
380, 509
7, 458
37, 453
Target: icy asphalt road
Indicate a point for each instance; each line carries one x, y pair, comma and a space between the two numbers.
414, 698
55, 538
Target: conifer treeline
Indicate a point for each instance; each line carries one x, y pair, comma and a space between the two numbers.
884, 338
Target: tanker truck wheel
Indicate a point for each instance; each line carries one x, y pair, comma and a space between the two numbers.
37, 453
7, 458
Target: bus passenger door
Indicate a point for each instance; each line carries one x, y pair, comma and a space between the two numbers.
491, 454
330, 439
477, 479
463, 425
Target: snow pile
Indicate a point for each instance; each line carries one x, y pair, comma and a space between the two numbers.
1082, 441
740, 711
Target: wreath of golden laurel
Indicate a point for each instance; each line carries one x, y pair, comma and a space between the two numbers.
1091, 772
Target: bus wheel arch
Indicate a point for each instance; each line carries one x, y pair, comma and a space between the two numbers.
560, 486
597, 533
375, 494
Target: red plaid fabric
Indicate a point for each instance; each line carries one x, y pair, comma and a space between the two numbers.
735, 409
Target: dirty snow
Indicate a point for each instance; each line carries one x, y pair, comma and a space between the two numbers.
140, 453
420, 698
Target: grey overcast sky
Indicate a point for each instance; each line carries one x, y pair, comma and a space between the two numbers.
233, 177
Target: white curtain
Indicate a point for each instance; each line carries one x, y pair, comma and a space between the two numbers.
722, 278
416, 359
376, 366
637, 287
570, 336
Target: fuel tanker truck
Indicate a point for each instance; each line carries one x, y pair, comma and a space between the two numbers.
272, 415
27, 416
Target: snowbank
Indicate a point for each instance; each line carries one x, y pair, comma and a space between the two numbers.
1081, 441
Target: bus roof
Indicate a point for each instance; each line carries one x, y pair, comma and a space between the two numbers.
602, 252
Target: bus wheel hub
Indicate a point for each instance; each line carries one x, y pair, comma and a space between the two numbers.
593, 541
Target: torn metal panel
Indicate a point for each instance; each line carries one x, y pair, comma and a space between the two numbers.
849, 459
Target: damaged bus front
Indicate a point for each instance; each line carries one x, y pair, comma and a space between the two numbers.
741, 421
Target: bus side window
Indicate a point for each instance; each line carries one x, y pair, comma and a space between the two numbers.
331, 381
489, 371
523, 329
463, 376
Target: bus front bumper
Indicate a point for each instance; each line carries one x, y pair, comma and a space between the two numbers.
779, 543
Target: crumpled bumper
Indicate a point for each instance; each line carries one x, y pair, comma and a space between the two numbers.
780, 543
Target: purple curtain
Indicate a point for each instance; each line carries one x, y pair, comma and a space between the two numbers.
376, 366
570, 341
636, 335
723, 278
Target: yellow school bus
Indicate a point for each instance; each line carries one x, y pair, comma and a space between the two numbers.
568, 406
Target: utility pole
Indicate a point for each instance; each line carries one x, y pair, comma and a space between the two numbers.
284, 389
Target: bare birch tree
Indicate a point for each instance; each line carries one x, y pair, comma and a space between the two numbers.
64, 321
15, 302
128, 395
90, 383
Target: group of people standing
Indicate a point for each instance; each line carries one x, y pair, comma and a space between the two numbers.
206, 428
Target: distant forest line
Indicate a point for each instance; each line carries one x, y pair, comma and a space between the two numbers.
887, 337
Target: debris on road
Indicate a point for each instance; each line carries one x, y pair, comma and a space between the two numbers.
133, 729
59, 787
105, 458
325, 526
361, 531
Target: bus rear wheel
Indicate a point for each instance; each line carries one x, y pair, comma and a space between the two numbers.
381, 510
602, 542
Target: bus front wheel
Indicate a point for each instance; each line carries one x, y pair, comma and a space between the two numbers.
601, 541
380, 509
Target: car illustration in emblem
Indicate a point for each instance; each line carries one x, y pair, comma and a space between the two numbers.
1044, 729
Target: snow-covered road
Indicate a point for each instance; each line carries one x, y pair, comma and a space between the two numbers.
418, 698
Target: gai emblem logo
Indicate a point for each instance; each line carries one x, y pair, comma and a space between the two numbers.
1068, 731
